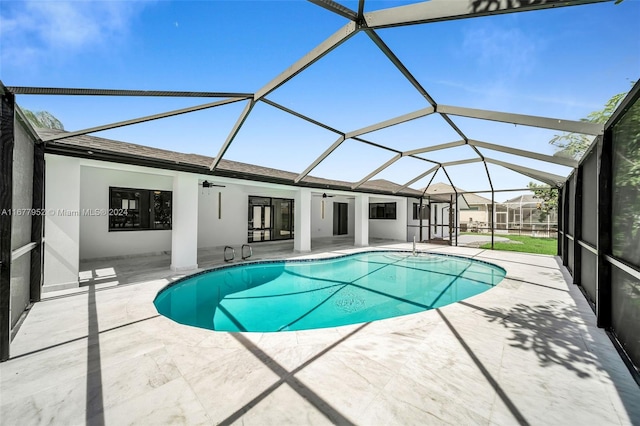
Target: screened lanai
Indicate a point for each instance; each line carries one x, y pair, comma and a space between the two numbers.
413, 107
425, 133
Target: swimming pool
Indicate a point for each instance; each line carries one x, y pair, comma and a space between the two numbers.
287, 295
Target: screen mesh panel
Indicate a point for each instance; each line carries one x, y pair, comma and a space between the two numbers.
590, 199
625, 212
588, 273
625, 307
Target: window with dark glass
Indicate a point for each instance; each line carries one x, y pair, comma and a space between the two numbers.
139, 209
425, 211
382, 210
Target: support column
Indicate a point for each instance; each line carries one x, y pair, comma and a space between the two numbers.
605, 237
184, 233
302, 221
62, 223
7, 105
577, 228
362, 221
37, 222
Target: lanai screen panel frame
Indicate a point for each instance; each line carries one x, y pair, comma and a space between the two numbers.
414, 14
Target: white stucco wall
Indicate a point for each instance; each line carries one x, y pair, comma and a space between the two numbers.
95, 239
84, 185
231, 228
481, 216
228, 228
389, 228
324, 227
184, 222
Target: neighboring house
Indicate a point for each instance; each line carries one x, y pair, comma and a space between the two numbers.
477, 218
522, 213
111, 199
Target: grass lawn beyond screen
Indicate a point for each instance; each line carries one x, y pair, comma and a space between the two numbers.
529, 244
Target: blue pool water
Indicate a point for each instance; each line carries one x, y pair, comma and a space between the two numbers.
300, 295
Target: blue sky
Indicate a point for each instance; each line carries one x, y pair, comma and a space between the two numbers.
562, 63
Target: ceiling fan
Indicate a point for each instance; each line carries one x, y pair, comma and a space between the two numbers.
207, 184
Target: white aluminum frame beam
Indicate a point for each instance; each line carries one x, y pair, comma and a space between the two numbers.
141, 119
568, 162
70, 91
376, 171
334, 7
318, 160
354, 134
434, 148
453, 126
548, 178
396, 61
445, 10
459, 162
583, 127
391, 122
487, 191
302, 116
234, 131
417, 178
334, 40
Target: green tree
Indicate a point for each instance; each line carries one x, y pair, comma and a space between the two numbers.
574, 145
625, 212
548, 199
43, 119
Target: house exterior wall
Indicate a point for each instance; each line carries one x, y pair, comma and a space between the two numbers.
95, 239
231, 227
323, 227
391, 229
479, 216
82, 185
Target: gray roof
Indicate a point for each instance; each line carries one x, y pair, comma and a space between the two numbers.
92, 145
445, 189
523, 199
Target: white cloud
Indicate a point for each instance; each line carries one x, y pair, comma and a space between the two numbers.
509, 52
36, 30
489, 91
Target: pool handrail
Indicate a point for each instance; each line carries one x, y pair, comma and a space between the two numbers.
242, 252
233, 253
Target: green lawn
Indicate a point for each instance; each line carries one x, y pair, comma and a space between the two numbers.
529, 244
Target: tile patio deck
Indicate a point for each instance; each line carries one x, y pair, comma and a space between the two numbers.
524, 352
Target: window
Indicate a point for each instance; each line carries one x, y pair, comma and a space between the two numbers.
270, 219
139, 209
382, 210
425, 211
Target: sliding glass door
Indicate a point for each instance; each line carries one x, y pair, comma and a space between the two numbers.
270, 219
